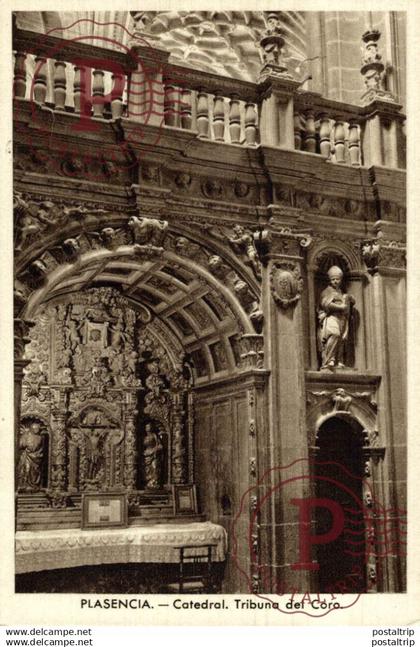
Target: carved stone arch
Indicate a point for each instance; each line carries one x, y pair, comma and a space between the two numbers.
164, 337
226, 288
218, 245
60, 273
338, 252
353, 421
360, 414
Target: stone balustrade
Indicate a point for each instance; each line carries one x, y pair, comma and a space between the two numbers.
213, 115
63, 86
275, 111
328, 128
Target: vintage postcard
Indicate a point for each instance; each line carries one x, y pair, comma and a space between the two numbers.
206, 269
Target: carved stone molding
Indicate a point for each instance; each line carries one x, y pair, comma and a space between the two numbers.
334, 206
183, 180
212, 189
341, 399
286, 283
241, 189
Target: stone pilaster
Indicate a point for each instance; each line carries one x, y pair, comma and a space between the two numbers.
386, 303
282, 286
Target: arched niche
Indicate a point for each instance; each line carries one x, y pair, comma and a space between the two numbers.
353, 342
339, 471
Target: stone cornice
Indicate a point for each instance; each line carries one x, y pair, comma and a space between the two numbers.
221, 387
342, 377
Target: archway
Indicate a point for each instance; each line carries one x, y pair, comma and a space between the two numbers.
139, 319
339, 472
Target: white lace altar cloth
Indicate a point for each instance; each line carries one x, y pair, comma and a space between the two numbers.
49, 549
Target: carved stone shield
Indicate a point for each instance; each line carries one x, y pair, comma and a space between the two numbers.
286, 283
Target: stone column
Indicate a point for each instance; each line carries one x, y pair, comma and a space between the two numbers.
21, 329
130, 454
386, 299
179, 452
283, 333
58, 451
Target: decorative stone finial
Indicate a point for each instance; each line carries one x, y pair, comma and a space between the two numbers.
272, 42
373, 68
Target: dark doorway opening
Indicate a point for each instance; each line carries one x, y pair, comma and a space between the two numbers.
339, 471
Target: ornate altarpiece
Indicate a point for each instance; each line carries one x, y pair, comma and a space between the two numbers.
111, 393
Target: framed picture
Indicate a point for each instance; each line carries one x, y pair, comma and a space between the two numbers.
104, 510
185, 499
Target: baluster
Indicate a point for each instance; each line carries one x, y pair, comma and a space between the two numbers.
118, 83
186, 118
98, 91
19, 85
297, 122
354, 143
250, 124
202, 114
79, 87
339, 141
325, 135
59, 85
219, 118
310, 132
169, 105
40, 80
234, 120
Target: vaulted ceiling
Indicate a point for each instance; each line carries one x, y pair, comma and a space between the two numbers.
225, 42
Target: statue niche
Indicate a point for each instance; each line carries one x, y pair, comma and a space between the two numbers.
33, 455
336, 318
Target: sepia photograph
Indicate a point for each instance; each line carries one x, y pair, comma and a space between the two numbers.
209, 221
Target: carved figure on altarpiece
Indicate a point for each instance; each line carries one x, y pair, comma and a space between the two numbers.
153, 458
32, 447
167, 385
95, 450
